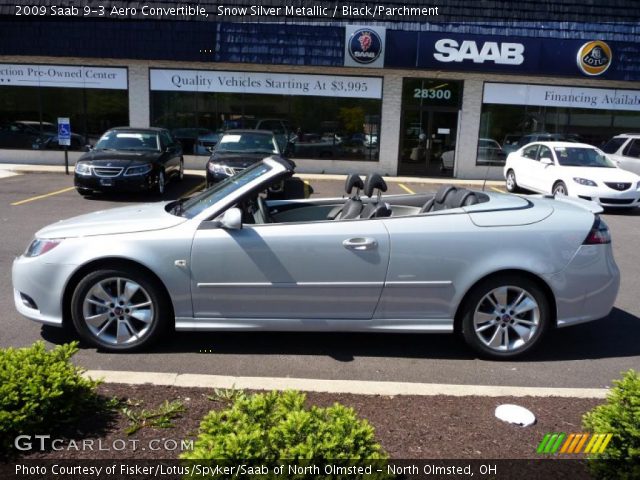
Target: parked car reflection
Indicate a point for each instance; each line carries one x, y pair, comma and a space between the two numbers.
37, 135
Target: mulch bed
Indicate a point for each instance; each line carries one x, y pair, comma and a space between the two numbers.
408, 427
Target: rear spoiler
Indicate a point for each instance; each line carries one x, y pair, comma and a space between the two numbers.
593, 207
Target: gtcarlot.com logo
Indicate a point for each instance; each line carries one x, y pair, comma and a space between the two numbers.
45, 442
574, 443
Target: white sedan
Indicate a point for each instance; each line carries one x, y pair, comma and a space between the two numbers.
574, 169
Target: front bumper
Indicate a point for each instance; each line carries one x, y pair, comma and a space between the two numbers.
587, 288
607, 197
43, 284
133, 183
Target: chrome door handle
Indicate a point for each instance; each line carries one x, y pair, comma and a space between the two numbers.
360, 243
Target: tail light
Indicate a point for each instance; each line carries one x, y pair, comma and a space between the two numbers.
599, 233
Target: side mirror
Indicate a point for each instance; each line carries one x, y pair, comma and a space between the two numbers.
546, 161
232, 219
87, 148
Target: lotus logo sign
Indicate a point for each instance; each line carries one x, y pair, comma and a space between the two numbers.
594, 58
364, 47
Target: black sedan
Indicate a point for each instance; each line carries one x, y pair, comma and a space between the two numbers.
239, 149
130, 159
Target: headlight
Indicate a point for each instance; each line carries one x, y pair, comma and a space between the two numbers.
83, 168
40, 246
138, 170
219, 169
585, 181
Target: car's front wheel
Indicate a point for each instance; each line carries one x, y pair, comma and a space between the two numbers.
119, 310
559, 188
512, 185
160, 183
505, 316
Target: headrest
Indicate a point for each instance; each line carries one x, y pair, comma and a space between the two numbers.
353, 180
462, 198
443, 191
374, 181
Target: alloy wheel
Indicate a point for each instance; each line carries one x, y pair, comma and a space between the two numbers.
118, 311
506, 318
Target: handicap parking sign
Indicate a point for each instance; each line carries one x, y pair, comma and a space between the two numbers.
64, 131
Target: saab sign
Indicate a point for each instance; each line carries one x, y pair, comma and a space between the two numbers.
499, 53
512, 55
364, 46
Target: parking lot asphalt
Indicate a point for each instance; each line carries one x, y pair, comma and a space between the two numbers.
587, 356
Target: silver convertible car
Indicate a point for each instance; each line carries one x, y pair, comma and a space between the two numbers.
499, 269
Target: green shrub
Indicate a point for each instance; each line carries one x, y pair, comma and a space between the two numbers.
39, 389
620, 416
276, 428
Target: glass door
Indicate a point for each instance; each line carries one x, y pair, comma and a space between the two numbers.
428, 143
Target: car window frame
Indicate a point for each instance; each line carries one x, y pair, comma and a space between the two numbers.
535, 155
539, 153
629, 146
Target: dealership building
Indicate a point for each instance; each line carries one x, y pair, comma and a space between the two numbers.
404, 88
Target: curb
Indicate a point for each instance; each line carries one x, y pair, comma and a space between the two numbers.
358, 387
22, 168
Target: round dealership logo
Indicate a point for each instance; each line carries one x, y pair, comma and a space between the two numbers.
594, 58
365, 46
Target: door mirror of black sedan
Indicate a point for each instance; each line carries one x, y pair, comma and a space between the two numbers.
87, 148
232, 219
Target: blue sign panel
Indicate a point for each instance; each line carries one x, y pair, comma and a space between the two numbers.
513, 55
64, 131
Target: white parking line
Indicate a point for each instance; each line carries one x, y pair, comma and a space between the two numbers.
7, 173
359, 387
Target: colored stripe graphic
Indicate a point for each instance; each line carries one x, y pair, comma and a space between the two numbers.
567, 443
543, 443
574, 443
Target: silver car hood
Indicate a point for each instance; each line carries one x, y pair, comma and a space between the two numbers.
135, 218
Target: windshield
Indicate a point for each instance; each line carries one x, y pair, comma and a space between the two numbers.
197, 204
116, 140
582, 157
247, 143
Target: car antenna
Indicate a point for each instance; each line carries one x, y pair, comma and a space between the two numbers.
486, 174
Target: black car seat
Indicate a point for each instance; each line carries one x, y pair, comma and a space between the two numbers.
353, 206
438, 201
376, 208
461, 198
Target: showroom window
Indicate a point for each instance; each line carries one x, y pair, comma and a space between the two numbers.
93, 98
321, 116
515, 114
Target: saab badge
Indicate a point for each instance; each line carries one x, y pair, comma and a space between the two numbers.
365, 46
594, 58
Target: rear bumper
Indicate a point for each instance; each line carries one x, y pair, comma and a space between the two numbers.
587, 288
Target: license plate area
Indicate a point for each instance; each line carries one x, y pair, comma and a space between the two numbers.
106, 182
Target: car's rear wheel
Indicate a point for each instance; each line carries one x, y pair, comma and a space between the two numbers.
505, 316
119, 310
512, 185
559, 188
